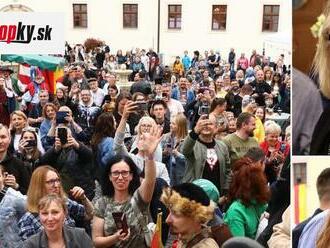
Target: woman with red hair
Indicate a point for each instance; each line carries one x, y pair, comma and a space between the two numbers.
249, 194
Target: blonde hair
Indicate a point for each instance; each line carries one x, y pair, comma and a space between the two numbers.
272, 127
18, 113
181, 122
37, 188
45, 202
145, 119
321, 60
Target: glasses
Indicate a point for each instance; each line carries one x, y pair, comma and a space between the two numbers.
53, 181
146, 125
116, 174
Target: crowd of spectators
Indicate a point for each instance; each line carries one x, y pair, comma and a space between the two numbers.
95, 148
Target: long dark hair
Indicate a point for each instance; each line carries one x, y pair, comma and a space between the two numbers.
121, 96
106, 184
104, 127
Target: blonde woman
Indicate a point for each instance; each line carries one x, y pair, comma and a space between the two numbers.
171, 143
320, 140
46, 180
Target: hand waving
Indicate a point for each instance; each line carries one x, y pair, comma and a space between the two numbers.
148, 142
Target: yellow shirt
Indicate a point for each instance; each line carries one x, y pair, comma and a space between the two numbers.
259, 132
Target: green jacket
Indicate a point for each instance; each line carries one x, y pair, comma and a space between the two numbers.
242, 220
195, 153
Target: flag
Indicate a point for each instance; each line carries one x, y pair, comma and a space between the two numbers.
156, 241
300, 203
51, 77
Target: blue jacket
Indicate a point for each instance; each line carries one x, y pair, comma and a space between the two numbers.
105, 152
12, 208
176, 95
186, 61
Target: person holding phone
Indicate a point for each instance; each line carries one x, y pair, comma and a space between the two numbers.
274, 149
206, 157
28, 150
64, 118
73, 160
123, 192
171, 143
49, 113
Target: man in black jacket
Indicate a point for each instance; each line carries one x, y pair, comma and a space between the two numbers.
17, 175
260, 88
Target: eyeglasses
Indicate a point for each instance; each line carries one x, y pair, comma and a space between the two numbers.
53, 181
116, 174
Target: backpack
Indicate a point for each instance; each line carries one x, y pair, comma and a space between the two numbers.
220, 233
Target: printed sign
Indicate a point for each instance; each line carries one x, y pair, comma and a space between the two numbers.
31, 33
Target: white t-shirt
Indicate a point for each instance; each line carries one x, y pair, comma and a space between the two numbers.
174, 107
98, 97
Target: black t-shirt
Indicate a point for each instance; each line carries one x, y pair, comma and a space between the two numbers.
211, 170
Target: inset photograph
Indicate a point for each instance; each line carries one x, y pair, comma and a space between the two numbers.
311, 202
311, 78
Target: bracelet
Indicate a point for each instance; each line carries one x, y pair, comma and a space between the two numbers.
149, 157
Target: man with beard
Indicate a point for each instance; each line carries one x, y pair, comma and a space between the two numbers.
87, 113
261, 89
242, 140
206, 157
189, 210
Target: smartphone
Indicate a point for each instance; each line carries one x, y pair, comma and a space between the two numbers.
204, 110
142, 106
120, 221
31, 143
282, 148
62, 134
60, 117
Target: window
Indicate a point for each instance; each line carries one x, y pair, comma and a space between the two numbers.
219, 17
270, 18
130, 15
174, 16
300, 173
80, 15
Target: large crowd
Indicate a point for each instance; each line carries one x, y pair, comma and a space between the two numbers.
204, 141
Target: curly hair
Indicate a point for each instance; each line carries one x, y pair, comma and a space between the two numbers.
249, 182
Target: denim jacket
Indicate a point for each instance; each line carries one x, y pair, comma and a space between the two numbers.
12, 207
176, 164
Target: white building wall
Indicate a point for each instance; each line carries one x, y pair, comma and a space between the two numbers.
105, 21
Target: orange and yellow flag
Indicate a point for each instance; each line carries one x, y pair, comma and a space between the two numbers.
156, 241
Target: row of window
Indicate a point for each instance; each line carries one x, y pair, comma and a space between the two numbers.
219, 16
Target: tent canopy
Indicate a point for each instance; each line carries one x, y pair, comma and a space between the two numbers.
44, 62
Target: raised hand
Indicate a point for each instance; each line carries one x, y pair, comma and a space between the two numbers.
77, 193
21, 146
148, 142
202, 122
130, 107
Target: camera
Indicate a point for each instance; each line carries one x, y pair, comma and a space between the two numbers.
142, 106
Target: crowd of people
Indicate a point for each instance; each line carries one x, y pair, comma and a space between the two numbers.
204, 141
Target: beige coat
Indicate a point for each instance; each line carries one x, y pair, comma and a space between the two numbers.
281, 232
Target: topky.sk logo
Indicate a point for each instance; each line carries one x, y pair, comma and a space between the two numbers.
21, 33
